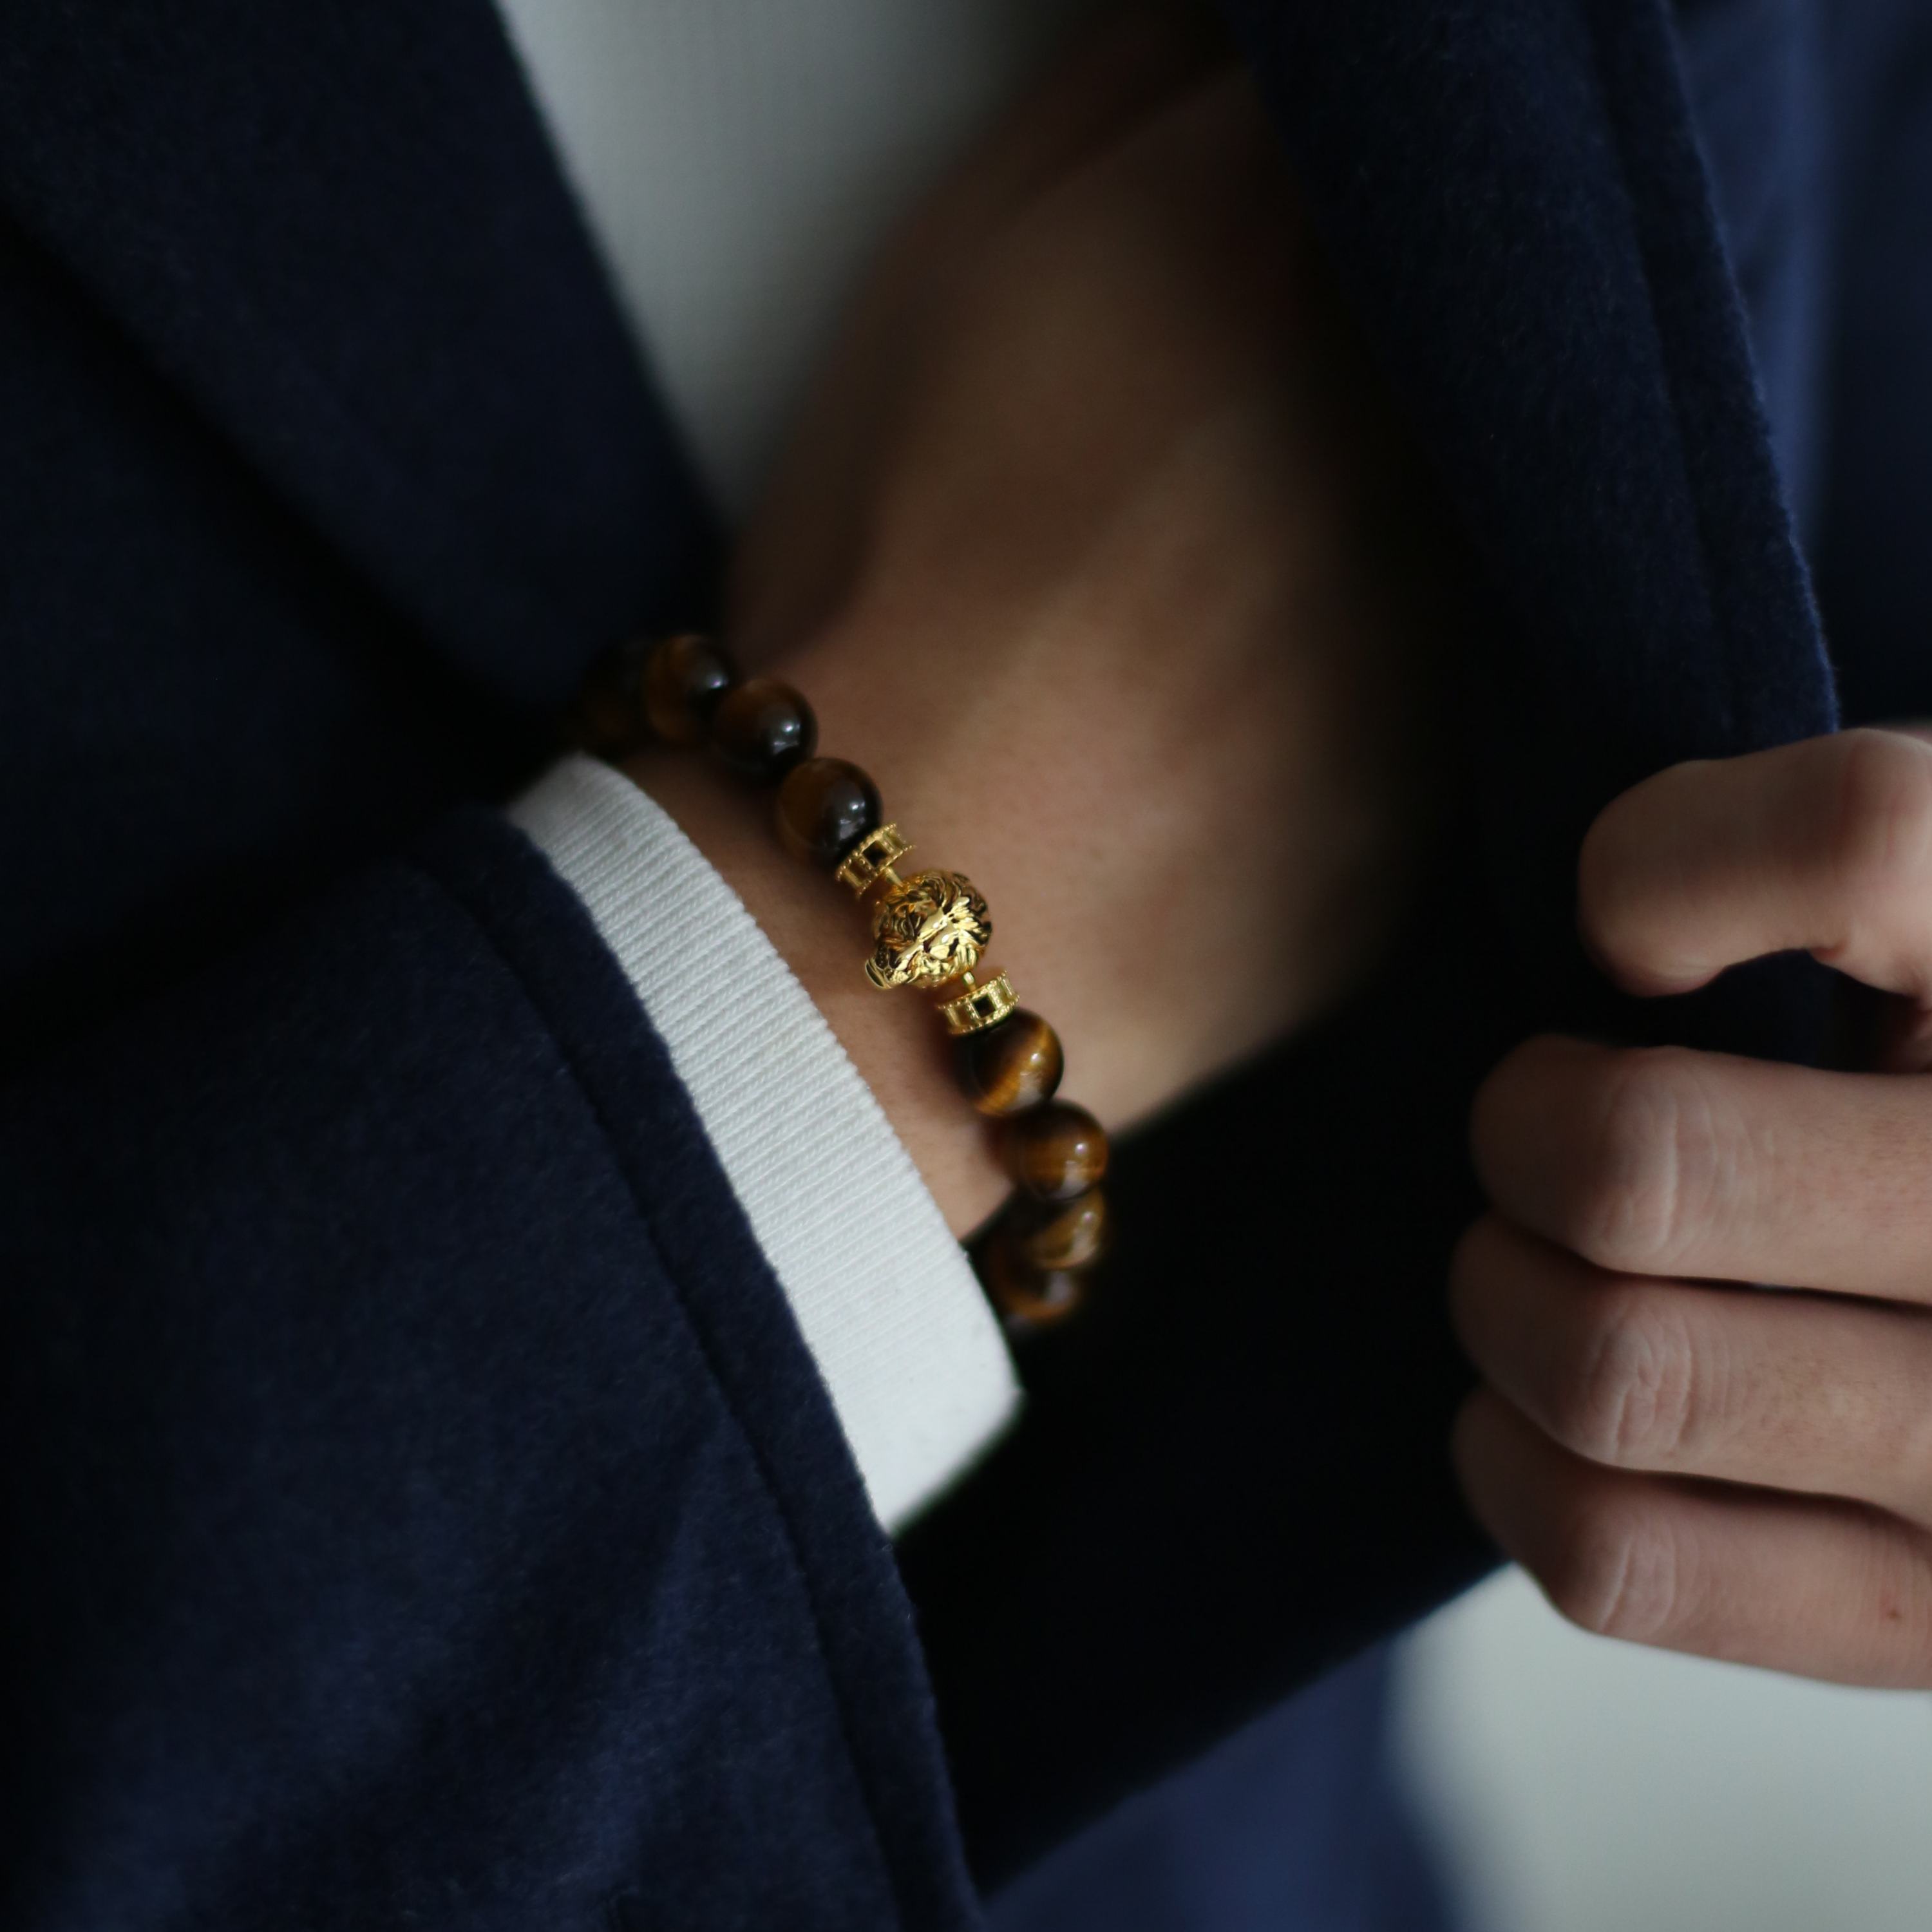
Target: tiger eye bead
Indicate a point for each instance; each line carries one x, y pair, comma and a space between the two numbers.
608, 719
1027, 1298
762, 728
684, 682
1054, 1237
1010, 1067
823, 808
1055, 1151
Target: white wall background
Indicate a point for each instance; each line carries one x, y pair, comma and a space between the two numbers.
1581, 1786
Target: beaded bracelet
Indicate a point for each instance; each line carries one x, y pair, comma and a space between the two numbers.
929, 930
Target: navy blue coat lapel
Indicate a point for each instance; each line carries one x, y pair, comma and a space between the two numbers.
1512, 191
339, 229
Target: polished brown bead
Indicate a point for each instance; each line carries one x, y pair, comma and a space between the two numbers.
762, 728
608, 720
1027, 1298
1054, 1236
824, 807
684, 682
1010, 1067
1055, 1151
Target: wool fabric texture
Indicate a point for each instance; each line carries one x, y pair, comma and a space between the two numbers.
423, 1503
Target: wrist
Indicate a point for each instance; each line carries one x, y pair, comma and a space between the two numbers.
891, 1041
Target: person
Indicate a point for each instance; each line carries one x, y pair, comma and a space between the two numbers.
424, 1498
443, 1477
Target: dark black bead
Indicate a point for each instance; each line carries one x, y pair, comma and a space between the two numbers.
607, 719
684, 682
823, 809
762, 728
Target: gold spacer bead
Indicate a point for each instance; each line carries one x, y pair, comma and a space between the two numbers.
871, 859
983, 1007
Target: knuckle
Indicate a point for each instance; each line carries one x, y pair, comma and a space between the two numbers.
1633, 1398
1645, 1167
1881, 832
1618, 1572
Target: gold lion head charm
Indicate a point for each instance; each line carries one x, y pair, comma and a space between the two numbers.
928, 929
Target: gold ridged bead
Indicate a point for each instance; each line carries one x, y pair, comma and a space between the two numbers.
871, 859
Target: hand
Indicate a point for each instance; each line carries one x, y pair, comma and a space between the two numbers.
1089, 551
1679, 1457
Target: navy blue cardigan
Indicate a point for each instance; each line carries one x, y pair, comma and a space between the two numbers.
419, 1506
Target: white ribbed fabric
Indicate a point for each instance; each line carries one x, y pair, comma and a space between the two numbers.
889, 1306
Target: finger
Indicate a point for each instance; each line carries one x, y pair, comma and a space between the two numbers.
1827, 1589
1788, 1392
1660, 1161
1824, 847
